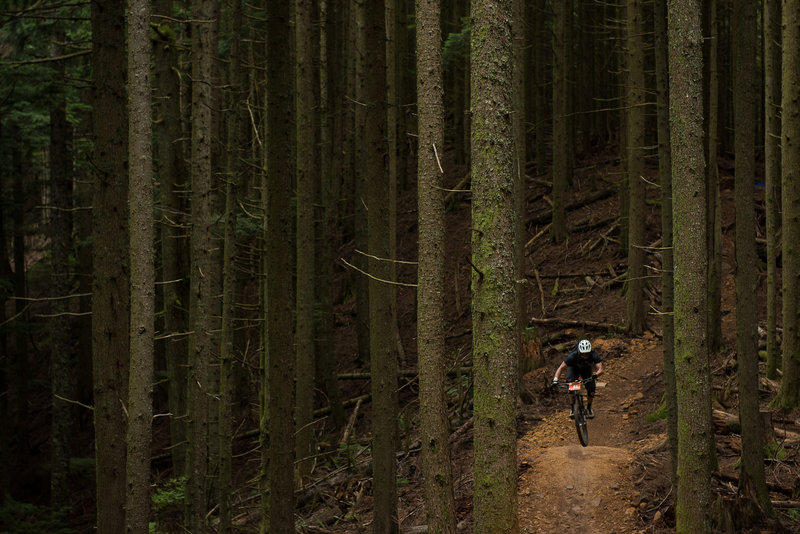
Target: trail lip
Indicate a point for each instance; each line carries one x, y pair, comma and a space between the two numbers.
569, 488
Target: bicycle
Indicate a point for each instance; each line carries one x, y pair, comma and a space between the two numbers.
578, 407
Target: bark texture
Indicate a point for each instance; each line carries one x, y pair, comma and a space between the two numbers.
789, 395
691, 261
142, 257
494, 291
434, 424
110, 287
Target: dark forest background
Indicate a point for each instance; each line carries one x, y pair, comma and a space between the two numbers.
242, 241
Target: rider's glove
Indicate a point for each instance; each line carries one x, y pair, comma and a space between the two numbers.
555, 381
594, 377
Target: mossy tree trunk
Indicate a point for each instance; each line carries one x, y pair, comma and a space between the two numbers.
689, 209
494, 290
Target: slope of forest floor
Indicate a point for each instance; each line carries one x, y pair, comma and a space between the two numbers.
620, 483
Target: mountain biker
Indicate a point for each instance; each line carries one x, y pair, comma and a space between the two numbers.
583, 362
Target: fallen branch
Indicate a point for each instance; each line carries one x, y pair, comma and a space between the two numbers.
461, 431
457, 188
350, 423
541, 290
537, 236
786, 504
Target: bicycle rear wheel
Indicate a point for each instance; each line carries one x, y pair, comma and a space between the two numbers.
580, 419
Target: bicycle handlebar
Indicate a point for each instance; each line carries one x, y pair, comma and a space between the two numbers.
566, 383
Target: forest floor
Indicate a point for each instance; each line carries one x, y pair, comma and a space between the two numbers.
620, 483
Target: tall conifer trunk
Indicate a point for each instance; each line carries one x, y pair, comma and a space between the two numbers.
279, 400
62, 363
110, 288
172, 174
142, 258
691, 261
789, 395
434, 424
494, 284
772, 172
636, 159
752, 482
202, 320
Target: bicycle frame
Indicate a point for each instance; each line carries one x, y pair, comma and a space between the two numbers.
578, 408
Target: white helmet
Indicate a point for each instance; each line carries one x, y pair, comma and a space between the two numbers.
584, 346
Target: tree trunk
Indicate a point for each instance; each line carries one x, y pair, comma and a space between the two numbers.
772, 172
306, 178
752, 482
142, 278
20, 386
667, 243
520, 144
62, 363
562, 172
494, 289
789, 395
383, 357
361, 188
328, 195
202, 320
636, 159
110, 290
235, 155
434, 424
689, 209
279, 302
172, 175
537, 81
714, 231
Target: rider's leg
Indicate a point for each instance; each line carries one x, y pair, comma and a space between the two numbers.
572, 374
591, 387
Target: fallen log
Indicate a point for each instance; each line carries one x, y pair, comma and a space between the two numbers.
548, 216
598, 325
734, 479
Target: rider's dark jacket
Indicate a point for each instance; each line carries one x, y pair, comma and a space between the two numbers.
584, 366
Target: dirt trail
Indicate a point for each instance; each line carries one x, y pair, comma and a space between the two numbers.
568, 488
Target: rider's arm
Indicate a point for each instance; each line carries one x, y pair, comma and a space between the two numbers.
558, 371
598, 368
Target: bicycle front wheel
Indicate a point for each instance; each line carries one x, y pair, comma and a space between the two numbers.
580, 419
